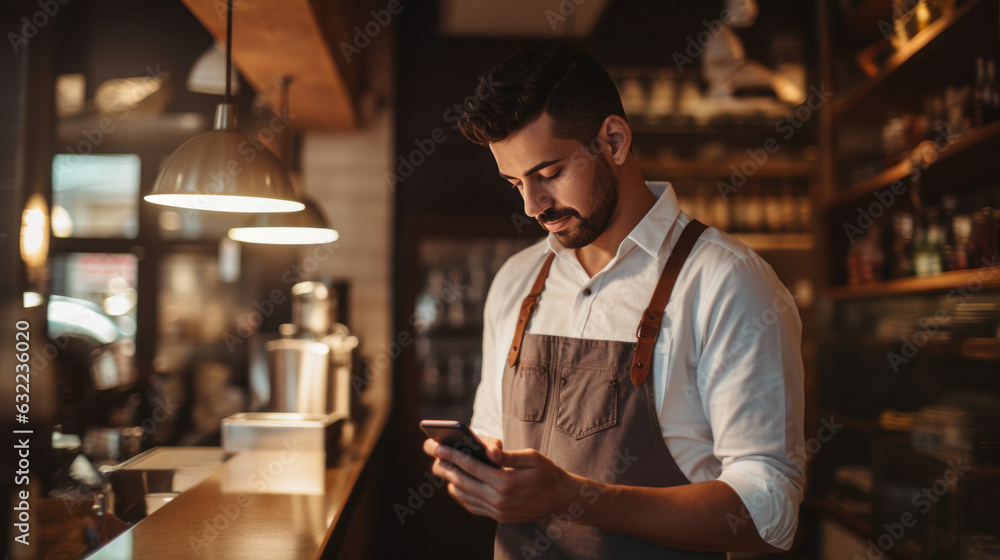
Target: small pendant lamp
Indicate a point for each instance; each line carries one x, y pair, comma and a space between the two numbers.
215, 170
305, 227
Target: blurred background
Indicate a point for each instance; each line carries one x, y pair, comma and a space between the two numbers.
850, 142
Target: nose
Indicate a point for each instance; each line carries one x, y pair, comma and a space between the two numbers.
536, 198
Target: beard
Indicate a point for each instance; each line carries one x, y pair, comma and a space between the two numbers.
604, 203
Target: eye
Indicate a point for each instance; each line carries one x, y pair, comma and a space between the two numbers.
550, 177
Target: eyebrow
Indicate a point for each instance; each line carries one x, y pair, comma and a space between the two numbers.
534, 169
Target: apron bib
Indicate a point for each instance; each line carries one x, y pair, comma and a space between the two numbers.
588, 406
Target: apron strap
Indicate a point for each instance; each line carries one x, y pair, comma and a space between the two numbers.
649, 327
527, 309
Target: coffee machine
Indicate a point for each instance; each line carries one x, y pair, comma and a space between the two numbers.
308, 386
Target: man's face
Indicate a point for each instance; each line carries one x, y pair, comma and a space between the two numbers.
570, 191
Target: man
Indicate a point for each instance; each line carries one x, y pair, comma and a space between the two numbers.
642, 379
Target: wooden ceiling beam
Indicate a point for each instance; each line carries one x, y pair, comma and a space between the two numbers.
289, 38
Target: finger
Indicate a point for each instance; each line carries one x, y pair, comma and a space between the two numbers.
430, 447
470, 502
472, 466
522, 458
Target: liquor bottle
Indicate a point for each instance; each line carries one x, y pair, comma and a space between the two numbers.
902, 245
754, 210
991, 94
948, 258
772, 210
978, 99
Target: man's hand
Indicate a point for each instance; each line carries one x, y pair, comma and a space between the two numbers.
527, 487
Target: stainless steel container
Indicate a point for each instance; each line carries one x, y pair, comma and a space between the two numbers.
299, 374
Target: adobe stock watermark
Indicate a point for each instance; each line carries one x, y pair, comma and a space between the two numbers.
555, 527
394, 348
928, 329
787, 126
247, 324
31, 25
94, 137
902, 13
565, 9
407, 164
923, 501
696, 44
259, 481
417, 497
886, 197
800, 456
365, 34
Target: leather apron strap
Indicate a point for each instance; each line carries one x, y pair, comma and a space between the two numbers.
527, 309
649, 327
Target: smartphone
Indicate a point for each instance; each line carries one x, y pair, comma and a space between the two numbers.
456, 434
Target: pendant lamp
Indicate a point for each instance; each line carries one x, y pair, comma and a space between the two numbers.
214, 171
305, 227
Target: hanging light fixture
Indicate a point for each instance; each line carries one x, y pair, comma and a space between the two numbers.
305, 227
212, 171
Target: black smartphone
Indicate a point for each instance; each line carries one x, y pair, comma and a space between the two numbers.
456, 434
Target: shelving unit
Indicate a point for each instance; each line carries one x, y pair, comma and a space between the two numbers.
967, 32
979, 277
856, 380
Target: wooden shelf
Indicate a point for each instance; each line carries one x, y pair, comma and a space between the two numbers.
957, 35
872, 184
974, 145
986, 277
718, 129
777, 241
985, 349
673, 169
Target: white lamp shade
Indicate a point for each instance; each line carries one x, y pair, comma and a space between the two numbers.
224, 171
305, 227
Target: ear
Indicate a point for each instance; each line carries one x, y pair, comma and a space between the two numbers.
617, 134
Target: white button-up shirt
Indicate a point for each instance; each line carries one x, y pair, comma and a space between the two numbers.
727, 367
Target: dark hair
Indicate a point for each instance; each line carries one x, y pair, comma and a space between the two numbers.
551, 76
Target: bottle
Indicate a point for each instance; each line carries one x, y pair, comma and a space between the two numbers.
772, 210
902, 245
754, 210
456, 378
432, 380
788, 210
949, 258
977, 99
991, 94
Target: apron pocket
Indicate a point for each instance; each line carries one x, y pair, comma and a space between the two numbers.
588, 403
529, 391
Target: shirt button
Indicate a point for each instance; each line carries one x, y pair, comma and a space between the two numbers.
587, 292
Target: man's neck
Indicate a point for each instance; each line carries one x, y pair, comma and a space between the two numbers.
634, 202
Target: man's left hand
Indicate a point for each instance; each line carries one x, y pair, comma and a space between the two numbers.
527, 487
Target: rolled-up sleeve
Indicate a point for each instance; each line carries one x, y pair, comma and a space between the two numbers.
751, 383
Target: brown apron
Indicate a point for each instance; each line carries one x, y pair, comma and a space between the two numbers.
587, 405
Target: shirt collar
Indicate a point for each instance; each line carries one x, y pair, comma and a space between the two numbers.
651, 231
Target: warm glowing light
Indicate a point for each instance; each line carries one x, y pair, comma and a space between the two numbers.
62, 222
284, 235
35, 232
226, 203
120, 304
33, 299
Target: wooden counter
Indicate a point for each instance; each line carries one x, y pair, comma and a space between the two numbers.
273, 505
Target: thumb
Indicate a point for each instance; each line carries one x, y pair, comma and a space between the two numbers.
522, 458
